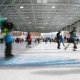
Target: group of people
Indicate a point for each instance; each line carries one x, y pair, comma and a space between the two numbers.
8, 41
6, 28
73, 39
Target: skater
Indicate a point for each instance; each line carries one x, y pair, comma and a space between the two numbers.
8, 44
73, 39
7, 28
58, 37
62, 40
28, 39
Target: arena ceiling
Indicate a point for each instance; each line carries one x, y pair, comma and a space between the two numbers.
40, 15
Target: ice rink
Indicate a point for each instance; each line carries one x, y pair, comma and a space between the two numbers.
41, 62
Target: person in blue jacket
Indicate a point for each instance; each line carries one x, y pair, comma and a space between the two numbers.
62, 40
73, 39
8, 44
6, 29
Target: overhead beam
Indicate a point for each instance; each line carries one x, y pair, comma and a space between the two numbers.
49, 4
59, 13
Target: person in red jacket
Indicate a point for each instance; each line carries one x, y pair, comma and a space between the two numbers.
28, 39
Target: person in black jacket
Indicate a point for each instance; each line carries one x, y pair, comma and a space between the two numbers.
58, 37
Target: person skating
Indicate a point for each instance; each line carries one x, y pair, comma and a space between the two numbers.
73, 39
28, 39
62, 40
58, 37
6, 29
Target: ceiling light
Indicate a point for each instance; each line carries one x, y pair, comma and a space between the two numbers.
48, 17
21, 7
27, 17
29, 22
5, 18
46, 23
39, 1
53, 6
44, 1
70, 18
39, 27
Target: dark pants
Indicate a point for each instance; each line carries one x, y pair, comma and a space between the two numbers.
75, 45
8, 49
29, 42
58, 42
